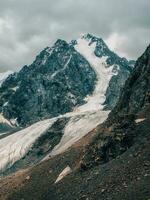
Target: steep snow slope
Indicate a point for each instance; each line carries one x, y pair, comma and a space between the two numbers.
4, 75
104, 74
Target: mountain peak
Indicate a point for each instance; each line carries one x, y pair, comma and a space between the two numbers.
98, 45
92, 38
60, 42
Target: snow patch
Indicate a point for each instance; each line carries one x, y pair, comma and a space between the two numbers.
46, 56
139, 120
61, 70
5, 104
64, 173
14, 122
15, 88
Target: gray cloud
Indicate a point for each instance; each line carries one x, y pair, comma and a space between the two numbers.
27, 26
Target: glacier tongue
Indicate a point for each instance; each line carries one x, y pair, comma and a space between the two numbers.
15, 146
78, 127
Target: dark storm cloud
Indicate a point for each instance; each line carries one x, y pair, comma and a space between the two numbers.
27, 26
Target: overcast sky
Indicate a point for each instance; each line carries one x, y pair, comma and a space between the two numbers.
28, 26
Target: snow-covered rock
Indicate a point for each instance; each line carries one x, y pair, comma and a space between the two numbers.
4, 75
104, 73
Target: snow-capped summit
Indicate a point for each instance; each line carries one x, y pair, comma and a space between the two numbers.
101, 49
111, 70
69, 85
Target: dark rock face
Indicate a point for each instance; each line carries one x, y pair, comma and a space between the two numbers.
58, 80
122, 67
120, 131
136, 94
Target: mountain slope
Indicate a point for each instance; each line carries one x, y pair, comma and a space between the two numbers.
67, 83
113, 164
